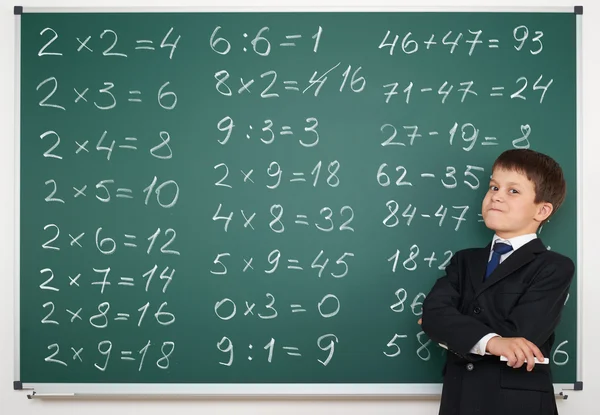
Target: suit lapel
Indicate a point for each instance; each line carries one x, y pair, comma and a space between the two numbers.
520, 257
477, 265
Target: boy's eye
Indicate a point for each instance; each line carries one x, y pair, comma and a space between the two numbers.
514, 191
492, 187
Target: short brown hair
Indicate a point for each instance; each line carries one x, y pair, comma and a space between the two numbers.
545, 173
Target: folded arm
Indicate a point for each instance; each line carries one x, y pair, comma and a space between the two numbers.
538, 311
442, 320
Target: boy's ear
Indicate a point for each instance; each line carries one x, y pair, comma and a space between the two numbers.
544, 210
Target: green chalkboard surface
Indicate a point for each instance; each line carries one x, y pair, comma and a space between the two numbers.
267, 197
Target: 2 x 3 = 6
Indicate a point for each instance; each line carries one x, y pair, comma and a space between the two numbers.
167, 99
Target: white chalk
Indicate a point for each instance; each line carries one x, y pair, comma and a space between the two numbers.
537, 362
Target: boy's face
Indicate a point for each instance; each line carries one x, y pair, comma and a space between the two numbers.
508, 208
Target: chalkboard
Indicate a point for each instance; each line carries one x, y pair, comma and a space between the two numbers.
259, 201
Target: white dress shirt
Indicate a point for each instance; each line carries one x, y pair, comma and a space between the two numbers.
516, 243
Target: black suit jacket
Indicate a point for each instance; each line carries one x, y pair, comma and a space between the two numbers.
523, 297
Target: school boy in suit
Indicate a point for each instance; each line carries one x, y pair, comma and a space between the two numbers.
505, 299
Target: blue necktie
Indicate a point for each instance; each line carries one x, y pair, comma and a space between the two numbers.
499, 250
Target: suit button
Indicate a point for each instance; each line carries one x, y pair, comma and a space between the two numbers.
470, 366
477, 310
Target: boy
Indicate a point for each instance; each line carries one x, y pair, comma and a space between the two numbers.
505, 299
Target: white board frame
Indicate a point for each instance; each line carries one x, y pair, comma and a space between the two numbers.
400, 390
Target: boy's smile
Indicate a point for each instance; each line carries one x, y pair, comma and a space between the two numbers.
509, 206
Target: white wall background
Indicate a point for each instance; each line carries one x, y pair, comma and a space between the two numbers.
13, 402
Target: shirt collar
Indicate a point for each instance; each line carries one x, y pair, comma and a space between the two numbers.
517, 241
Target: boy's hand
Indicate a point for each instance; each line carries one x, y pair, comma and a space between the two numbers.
420, 321
516, 350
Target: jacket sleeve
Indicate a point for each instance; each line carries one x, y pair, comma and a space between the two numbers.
442, 320
538, 311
